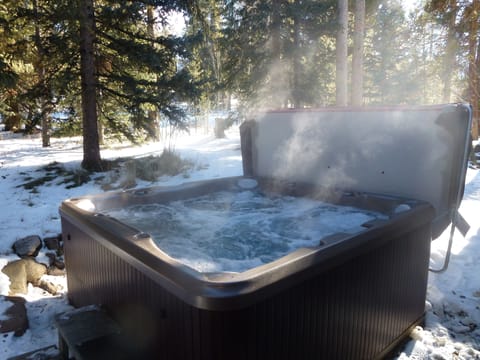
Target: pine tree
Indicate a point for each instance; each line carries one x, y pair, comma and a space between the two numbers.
357, 57
341, 53
387, 56
8, 78
91, 148
279, 53
41, 62
138, 72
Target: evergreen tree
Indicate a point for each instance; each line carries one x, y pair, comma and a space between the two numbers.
136, 71
91, 148
387, 56
8, 77
358, 55
207, 60
133, 71
36, 51
279, 53
341, 53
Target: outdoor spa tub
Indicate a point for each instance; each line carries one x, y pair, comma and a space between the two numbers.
320, 251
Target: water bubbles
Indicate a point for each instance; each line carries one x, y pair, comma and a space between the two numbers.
235, 231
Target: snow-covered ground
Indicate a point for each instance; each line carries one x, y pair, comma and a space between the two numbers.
452, 326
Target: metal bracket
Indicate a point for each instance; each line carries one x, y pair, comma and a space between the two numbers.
459, 222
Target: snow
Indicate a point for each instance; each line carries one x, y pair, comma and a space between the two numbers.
453, 299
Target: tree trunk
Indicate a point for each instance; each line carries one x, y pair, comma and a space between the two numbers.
451, 47
153, 130
276, 25
472, 65
40, 70
296, 96
357, 59
341, 54
476, 98
91, 148
13, 121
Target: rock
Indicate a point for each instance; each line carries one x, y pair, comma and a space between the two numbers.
59, 264
27, 246
48, 287
51, 258
17, 274
16, 316
53, 261
23, 271
54, 271
52, 243
34, 270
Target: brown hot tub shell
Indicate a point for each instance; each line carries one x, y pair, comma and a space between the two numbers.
351, 297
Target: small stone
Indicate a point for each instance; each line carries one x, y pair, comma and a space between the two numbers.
16, 316
48, 287
54, 271
51, 258
59, 264
53, 261
52, 243
27, 246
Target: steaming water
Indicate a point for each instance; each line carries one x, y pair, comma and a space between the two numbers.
236, 231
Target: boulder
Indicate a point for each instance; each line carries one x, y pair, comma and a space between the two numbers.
52, 243
15, 317
27, 246
23, 271
17, 274
48, 287
55, 265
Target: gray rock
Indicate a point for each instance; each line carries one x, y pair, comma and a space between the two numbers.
51, 258
52, 243
28, 246
16, 316
55, 271
54, 261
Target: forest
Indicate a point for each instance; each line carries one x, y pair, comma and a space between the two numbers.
128, 68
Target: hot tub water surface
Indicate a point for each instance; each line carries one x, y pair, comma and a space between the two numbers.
237, 231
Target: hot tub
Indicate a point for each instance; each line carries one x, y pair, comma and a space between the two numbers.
348, 293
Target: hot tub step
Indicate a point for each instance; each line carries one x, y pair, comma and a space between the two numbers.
91, 334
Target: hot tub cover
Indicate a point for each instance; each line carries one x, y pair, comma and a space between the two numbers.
415, 152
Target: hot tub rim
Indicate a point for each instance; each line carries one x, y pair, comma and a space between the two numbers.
240, 289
